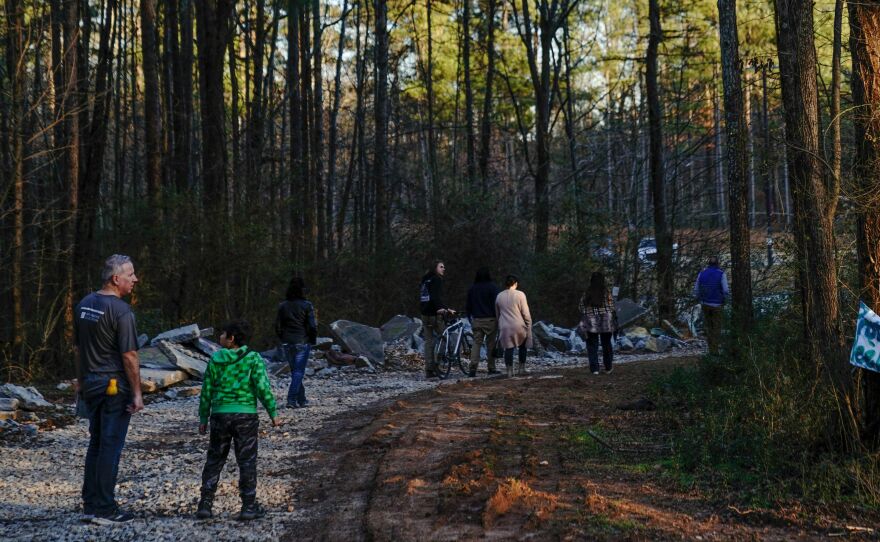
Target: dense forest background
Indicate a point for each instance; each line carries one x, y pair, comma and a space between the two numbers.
226, 145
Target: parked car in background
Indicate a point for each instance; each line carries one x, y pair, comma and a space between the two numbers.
648, 250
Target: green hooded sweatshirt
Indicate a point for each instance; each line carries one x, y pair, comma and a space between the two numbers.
233, 383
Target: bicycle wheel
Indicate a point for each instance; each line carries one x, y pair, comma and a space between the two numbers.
464, 360
441, 357
444, 364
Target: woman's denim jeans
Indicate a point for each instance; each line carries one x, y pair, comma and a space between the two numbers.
297, 356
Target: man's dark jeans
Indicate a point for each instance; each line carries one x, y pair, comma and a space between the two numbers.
593, 350
108, 427
297, 356
242, 429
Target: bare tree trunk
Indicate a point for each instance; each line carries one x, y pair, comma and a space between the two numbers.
835, 89
434, 177
256, 121
737, 166
96, 134
296, 127
358, 126
767, 168
569, 128
15, 68
213, 31
485, 124
814, 195
864, 23
380, 138
71, 163
332, 142
322, 230
152, 114
468, 93
662, 231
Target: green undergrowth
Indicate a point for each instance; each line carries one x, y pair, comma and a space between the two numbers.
757, 427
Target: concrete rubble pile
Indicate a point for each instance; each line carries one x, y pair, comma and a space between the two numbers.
175, 356
22, 410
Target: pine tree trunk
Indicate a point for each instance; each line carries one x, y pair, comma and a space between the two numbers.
380, 138
814, 195
152, 115
15, 68
213, 18
332, 142
96, 135
468, 94
864, 23
71, 159
737, 166
662, 231
485, 124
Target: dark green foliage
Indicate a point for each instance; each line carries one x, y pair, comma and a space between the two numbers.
758, 426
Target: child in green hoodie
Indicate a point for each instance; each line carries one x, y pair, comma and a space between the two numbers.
234, 380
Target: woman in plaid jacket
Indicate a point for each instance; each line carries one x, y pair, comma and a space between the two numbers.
598, 321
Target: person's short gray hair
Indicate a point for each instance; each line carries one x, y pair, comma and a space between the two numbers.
113, 266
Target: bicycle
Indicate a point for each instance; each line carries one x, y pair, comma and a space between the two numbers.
453, 346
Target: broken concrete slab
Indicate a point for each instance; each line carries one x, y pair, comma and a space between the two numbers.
205, 346
152, 357
399, 327
191, 362
182, 334
152, 380
628, 312
360, 339
28, 398
549, 338
8, 403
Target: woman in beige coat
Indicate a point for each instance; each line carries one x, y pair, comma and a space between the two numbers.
514, 324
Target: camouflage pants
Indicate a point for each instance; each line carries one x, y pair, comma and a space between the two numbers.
226, 429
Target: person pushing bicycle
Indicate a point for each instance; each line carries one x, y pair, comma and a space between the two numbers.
433, 310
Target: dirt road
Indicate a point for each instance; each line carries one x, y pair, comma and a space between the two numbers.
546, 457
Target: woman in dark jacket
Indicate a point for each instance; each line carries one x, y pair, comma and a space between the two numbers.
297, 328
598, 320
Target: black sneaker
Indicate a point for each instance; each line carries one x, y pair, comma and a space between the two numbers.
472, 374
291, 405
251, 511
205, 505
493, 372
115, 518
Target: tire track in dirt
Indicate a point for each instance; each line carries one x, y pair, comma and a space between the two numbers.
511, 459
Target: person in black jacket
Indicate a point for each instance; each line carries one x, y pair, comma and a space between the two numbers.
433, 310
297, 328
481, 310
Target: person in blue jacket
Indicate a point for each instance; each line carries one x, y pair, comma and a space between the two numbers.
712, 290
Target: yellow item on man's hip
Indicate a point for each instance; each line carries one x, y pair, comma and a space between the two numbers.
111, 387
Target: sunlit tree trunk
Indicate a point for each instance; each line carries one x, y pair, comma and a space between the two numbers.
662, 231
864, 23
737, 165
814, 194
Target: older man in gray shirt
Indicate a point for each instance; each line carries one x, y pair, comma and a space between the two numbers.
108, 384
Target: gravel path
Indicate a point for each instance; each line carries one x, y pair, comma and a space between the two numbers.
160, 471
